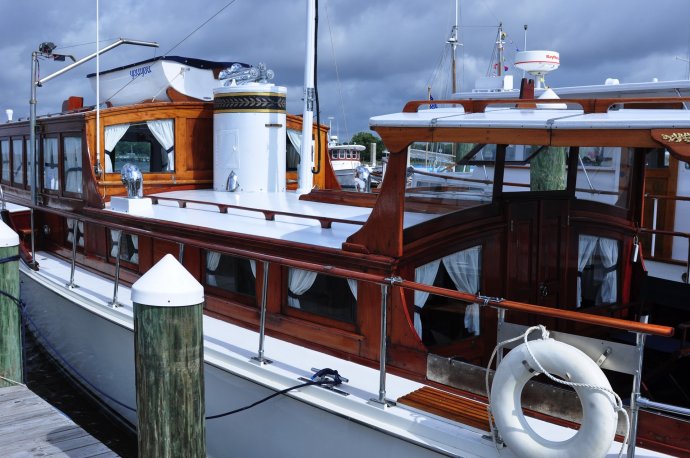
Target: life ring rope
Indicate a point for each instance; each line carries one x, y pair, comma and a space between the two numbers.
618, 406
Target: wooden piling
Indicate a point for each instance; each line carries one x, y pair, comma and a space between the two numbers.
10, 319
168, 335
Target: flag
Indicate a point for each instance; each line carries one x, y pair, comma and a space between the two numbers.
432, 105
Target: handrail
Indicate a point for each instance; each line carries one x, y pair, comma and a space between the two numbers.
580, 317
588, 105
325, 221
663, 197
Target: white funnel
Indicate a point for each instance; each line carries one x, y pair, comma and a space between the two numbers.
9, 112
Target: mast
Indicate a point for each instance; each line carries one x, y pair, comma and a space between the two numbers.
453, 42
306, 179
499, 45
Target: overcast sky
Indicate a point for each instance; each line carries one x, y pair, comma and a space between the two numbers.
387, 51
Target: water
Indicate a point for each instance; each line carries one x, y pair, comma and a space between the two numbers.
45, 378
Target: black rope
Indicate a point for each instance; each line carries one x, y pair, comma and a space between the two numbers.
9, 259
324, 377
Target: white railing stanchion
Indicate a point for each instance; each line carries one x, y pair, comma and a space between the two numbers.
260, 358
635, 395
381, 401
75, 242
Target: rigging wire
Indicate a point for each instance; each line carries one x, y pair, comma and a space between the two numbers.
199, 27
337, 73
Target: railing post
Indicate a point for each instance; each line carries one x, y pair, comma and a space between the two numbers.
169, 361
10, 318
381, 401
117, 267
656, 208
75, 242
499, 323
635, 395
262, 318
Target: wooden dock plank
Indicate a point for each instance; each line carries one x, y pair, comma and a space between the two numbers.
29, 426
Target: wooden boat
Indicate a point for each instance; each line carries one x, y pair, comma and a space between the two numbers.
405, 293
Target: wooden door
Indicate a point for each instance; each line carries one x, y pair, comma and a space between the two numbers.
537, 253
660, 180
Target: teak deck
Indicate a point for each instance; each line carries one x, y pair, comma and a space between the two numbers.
29, 426
463, 410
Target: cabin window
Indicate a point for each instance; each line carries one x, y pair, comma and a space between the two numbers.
535, 168
324, 295
597, 271
128, 246
71, 146
18, 161
439, 320
658, 158
5, 151
462, 172
149, 145
230, 273
51, 174
80, 232
604, 175
293, 146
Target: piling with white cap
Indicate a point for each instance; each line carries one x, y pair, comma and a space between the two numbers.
169, 358
10, 319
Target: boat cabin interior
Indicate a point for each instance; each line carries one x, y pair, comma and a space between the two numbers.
543, 206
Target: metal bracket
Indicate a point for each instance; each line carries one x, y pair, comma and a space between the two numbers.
603, 356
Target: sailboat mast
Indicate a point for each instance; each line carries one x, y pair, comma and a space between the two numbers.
499, 44
453, 41
306, 179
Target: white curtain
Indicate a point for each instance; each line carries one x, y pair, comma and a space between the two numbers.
292, 159
252, 265
353, 286
587, 245
299, 282
608, 249
423, 274
72, 150
51, 178
212, 262
115, 239
463, 268
164, 132
135, 256
80, 232
113, 134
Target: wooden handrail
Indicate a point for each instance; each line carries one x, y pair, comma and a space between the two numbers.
325, 221
570, 315
660, 232
660, 197
588, 105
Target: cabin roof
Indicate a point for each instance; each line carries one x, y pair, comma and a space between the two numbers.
537, 119
201, 210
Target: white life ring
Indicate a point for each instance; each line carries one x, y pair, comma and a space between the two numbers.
599, 420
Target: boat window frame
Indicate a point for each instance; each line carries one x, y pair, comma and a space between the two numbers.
15, 184
293, 312
41, 168
232, 296
6, 179
63, 185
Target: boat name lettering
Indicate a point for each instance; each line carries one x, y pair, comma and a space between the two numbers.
140, 71
677, 137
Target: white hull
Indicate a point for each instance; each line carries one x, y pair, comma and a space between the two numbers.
98, 344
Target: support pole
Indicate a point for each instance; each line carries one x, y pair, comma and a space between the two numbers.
169, 361
10, 319
635, 395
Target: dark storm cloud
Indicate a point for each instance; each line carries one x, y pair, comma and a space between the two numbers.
386, 50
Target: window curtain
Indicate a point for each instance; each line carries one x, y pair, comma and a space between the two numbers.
212, 262
72, 147
292, 160
252, 265
463, 268
163, 130
352, 283
80, 232
587, 245
423, 274
113, 134
135, 256
51, 179
608, 248
299, 282
115, 240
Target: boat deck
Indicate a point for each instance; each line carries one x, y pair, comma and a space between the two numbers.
29, 426
280, 216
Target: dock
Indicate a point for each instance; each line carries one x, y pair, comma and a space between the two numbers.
29, 426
